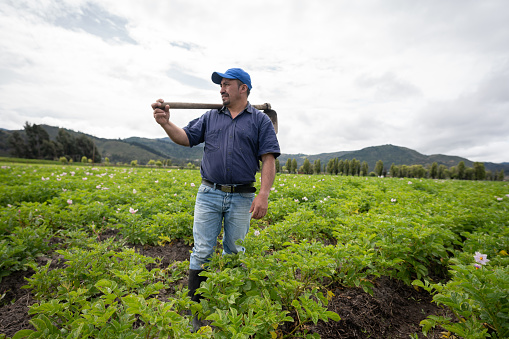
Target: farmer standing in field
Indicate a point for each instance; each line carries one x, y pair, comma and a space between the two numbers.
236, 137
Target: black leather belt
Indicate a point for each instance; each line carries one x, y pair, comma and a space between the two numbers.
247, 188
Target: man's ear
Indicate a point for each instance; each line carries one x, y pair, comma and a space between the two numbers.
243, 88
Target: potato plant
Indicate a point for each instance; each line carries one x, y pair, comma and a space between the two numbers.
320, 231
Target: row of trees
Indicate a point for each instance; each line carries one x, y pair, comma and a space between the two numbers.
36, 144
355, 168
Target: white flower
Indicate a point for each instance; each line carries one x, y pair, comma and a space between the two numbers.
69, 201
393, 200
410, 183
157, 181
132, 210
481, 258
256, 233
84, 178
134, 191
192, 184
305, 199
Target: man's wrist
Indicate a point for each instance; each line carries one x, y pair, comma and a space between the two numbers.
264, 193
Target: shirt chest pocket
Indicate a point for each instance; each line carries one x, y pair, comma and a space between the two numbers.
212, 140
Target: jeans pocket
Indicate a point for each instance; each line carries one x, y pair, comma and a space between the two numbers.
247, 195
204, 189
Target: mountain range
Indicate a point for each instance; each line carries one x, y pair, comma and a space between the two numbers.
145, 149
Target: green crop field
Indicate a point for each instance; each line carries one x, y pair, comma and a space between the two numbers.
320, 231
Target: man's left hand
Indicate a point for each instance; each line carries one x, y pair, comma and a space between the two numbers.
259, 207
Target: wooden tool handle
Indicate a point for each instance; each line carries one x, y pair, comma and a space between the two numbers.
192, 105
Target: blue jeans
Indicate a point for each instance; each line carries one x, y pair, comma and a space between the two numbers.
212, 207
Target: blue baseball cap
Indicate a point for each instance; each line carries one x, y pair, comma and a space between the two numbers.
232, 73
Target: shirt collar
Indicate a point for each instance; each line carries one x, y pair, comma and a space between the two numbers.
249, 109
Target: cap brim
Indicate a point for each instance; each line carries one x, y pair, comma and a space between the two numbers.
217, 77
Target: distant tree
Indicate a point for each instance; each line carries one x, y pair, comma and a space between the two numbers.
489, 176
84, 160
289, 165
278, 166
18, 145
433, 171
317, 166
404, 171
461, 170
86, 147
63, 160
469, 174
364, 169
453, 172
394, 171
356, 167
36, 135
479, 171
294, 166
107, 161
159, 163
134, 163
338, 166
151, 162
330, 167
346, 167
501, 175
306, 167
442, 172
419, 171
379, 167
67, 143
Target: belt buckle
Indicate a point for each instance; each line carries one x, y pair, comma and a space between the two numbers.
227, 189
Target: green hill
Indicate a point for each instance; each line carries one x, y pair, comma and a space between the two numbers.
390, 154
125, 150
145, 149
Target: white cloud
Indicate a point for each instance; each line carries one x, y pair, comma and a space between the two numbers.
342, 75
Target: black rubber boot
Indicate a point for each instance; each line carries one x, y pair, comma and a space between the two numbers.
195, 279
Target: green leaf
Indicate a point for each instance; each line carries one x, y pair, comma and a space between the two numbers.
22, 334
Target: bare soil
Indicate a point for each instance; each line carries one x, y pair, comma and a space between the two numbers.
393, 311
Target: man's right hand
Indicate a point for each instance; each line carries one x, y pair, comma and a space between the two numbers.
161, 114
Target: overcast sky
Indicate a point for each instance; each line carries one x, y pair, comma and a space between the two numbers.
430, 75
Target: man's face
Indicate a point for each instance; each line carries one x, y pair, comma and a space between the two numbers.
230, 91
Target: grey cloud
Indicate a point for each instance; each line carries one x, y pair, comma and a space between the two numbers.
478, 117
95, 20
180, 75
184, 45
388, 86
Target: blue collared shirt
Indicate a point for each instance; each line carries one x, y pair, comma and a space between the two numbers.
233, 147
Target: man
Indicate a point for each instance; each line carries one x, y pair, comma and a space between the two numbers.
236, 137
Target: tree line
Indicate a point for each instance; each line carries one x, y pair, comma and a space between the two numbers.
354, 167
35, 143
